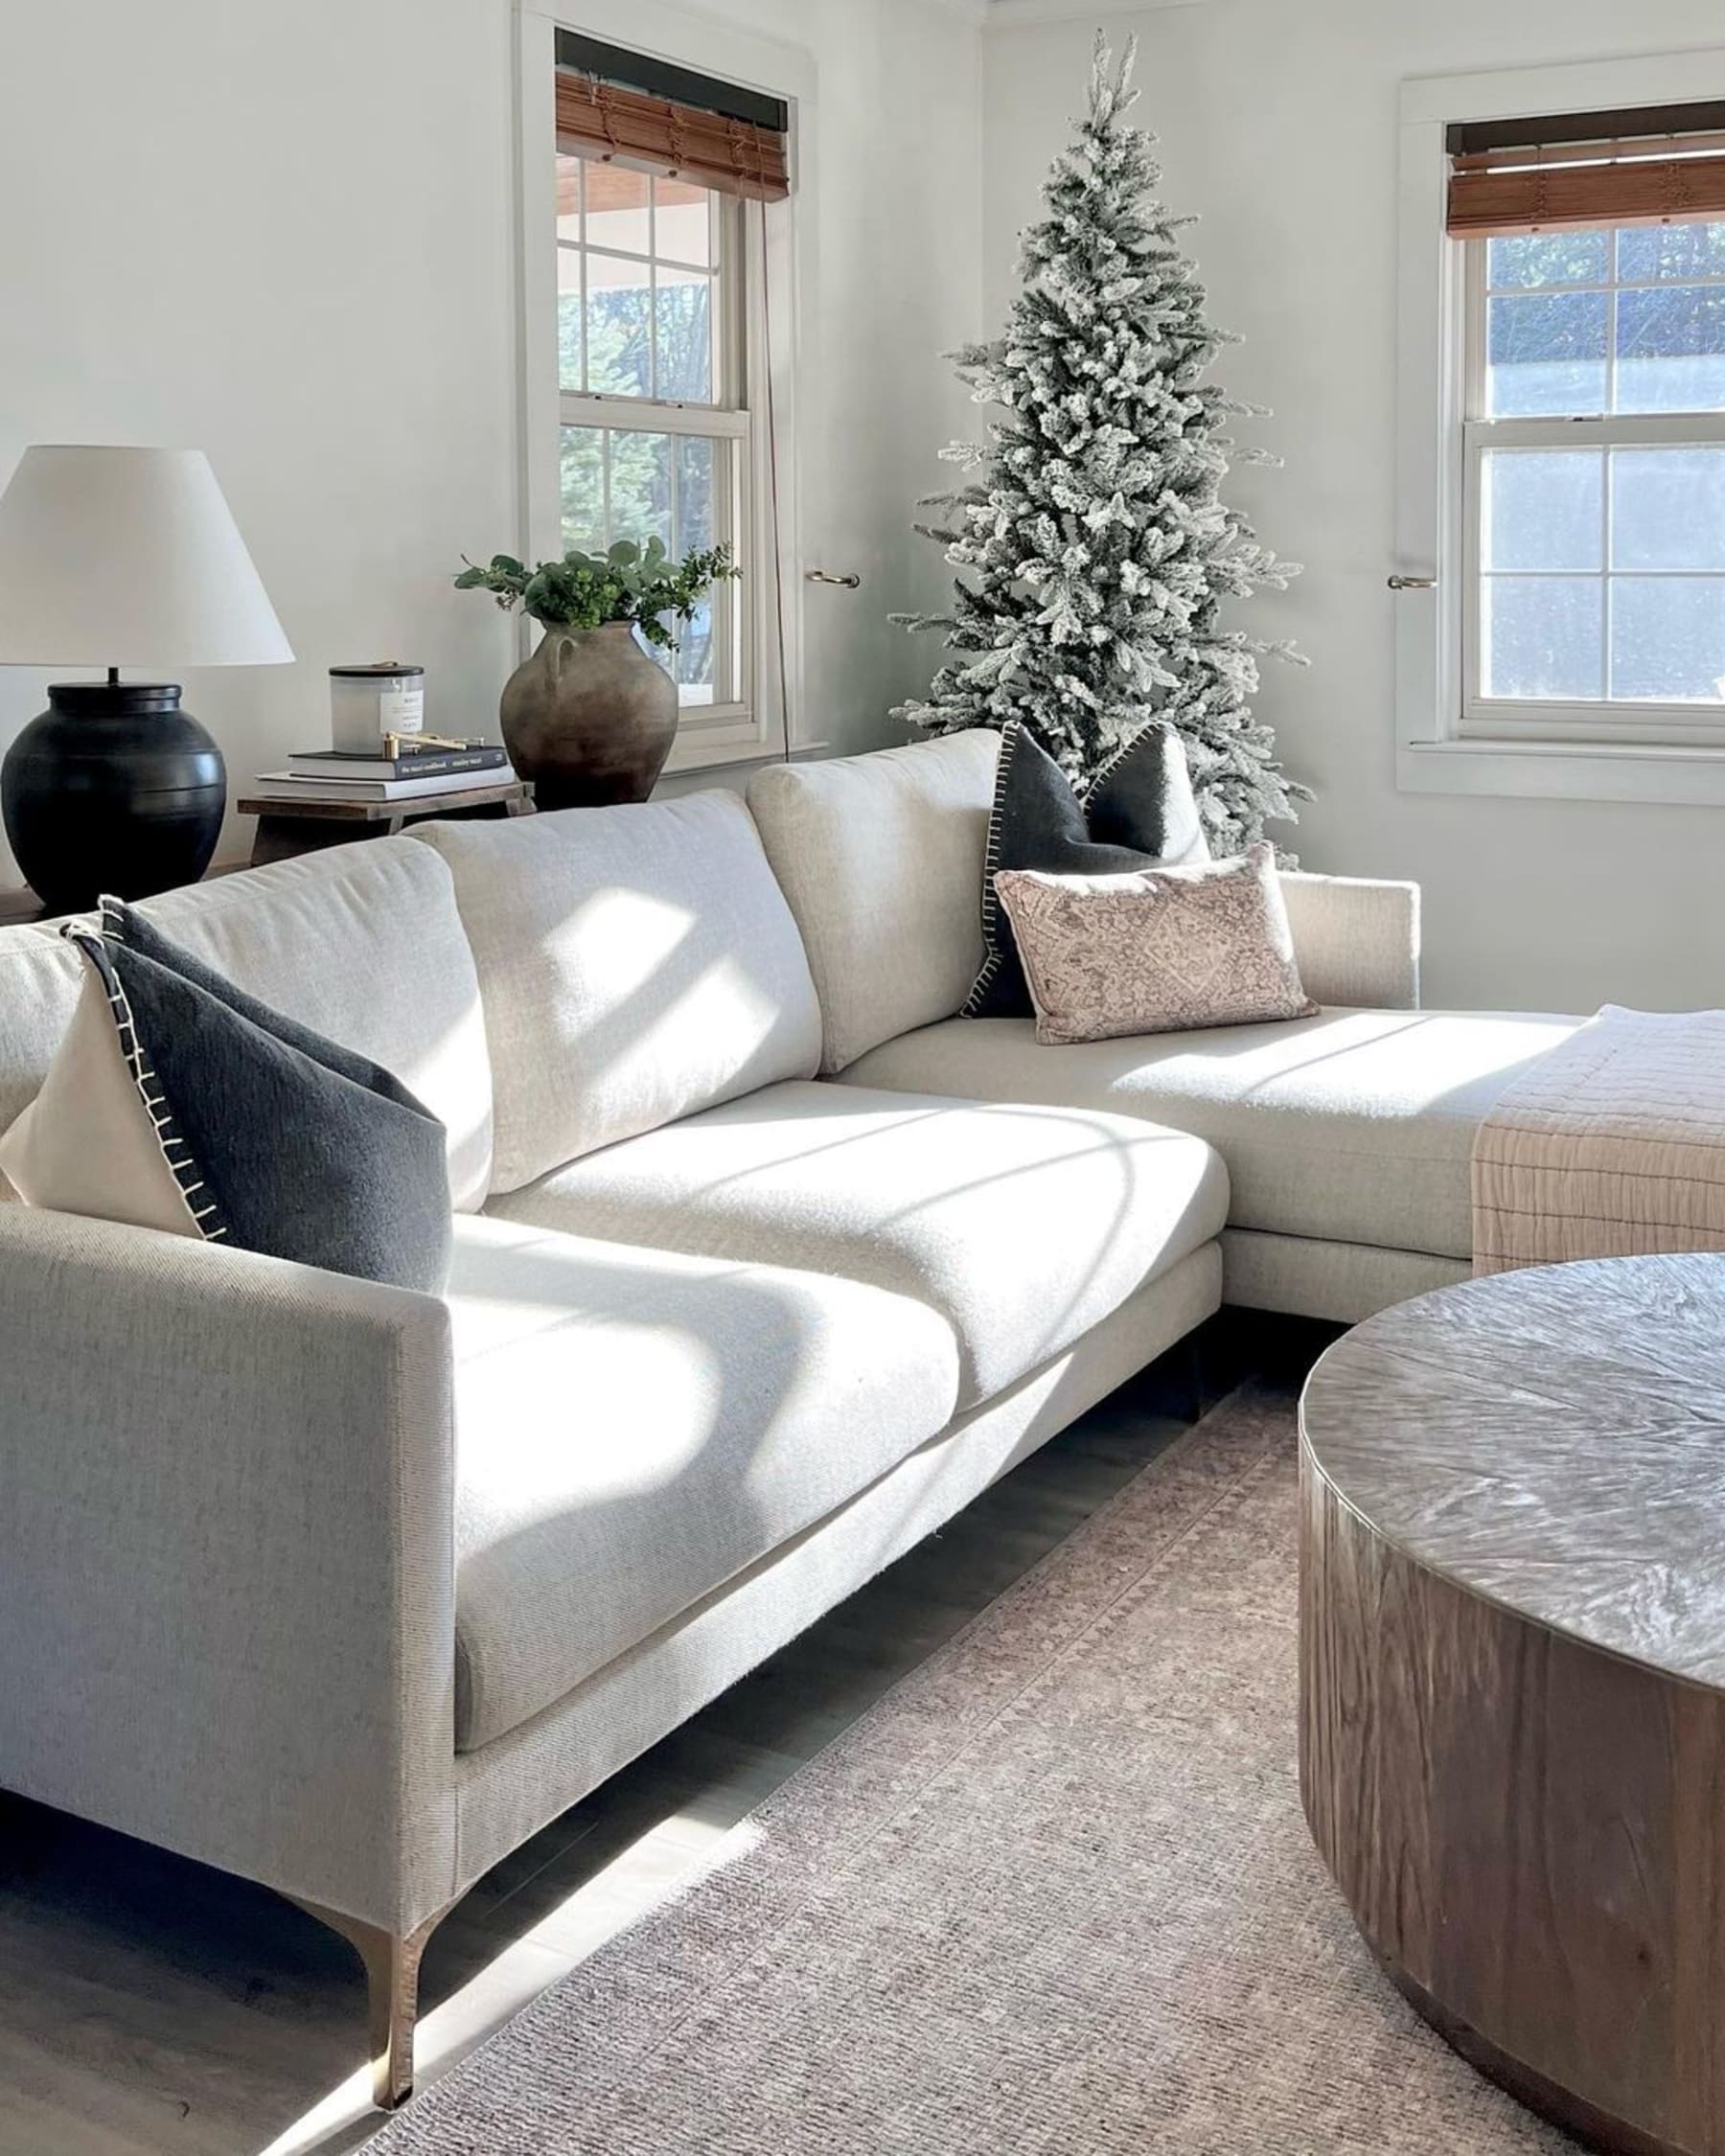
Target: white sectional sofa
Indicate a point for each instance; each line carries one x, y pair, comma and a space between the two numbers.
764, 1264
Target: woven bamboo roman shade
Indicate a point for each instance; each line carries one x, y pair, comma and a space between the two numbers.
662, 118
1661, 164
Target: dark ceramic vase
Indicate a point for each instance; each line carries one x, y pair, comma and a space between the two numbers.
113, 788
589, 718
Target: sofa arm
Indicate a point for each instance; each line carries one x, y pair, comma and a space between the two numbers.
1356, 942
226, 1571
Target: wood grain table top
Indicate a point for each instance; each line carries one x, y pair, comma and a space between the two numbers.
1551, 1440
327, 808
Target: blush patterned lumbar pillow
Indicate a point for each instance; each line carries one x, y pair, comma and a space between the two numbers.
1155, 950
176, 1101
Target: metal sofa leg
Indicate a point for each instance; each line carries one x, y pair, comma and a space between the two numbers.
392, 1966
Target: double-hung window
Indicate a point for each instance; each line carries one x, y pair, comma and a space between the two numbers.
664, 402
1570, 531
655, 427
1594, 484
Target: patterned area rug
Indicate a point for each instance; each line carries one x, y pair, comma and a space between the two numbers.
1054, 1894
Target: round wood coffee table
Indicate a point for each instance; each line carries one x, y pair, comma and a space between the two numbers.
1513, 1678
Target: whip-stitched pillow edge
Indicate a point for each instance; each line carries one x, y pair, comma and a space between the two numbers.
994, 958
200, 1203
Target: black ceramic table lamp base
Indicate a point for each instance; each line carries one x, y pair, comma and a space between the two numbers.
113, 788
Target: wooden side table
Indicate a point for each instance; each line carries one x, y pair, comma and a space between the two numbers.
288, 828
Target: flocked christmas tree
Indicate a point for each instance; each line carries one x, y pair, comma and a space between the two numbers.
1099, 550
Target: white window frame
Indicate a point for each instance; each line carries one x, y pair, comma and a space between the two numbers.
1644, 723
1448, 741
768, 328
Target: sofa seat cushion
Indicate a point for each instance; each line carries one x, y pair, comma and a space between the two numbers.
1022, 1226
1353, 1126
633, 1427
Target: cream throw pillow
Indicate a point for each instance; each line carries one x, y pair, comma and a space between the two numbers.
1157, 951
179, 1102
86, 1145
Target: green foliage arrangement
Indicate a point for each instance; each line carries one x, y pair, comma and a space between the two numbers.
633, 583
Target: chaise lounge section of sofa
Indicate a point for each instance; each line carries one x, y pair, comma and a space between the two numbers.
1347, 1136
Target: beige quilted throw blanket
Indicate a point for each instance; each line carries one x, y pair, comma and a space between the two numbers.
1612, 1145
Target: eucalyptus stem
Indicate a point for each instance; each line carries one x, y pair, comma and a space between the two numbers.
628, 583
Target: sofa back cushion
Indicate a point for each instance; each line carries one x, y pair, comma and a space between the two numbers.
361, 942
638, 963
40, 977
881, 857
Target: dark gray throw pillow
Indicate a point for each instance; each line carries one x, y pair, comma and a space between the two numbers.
278, 1139
1137, 810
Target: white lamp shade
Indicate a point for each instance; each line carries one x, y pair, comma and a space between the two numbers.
120, 557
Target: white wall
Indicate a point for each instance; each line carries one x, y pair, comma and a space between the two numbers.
1279, 124
283, 235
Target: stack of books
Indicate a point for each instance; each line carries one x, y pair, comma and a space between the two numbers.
351, 775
